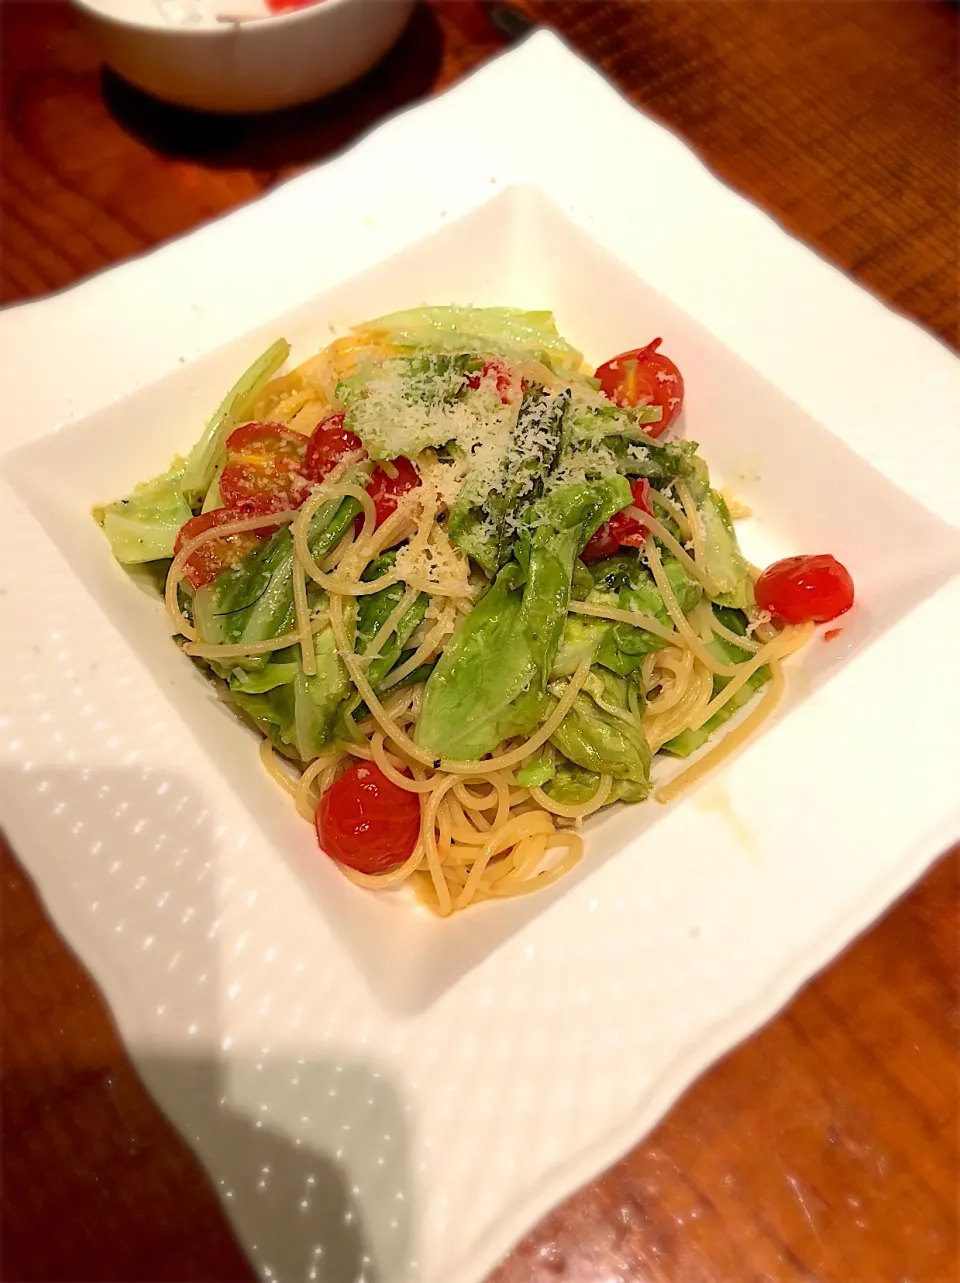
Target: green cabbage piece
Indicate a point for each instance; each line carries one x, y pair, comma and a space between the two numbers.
506, 331
723, 561
300, 716
622, 582
490, 681
603, 731
205, 457
375, 609
253, 600
537, 773
144, 525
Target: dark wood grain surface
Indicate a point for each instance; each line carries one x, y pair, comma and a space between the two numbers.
826, 1147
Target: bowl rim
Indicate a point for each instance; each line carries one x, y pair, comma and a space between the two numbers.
226, 28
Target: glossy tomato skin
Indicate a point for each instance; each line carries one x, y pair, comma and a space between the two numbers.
330, 443
386, 491
624, 529
644, 376
807, 588
216, 555
366, 821
265, 465
604, 543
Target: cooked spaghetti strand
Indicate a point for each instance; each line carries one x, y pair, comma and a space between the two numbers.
472, 832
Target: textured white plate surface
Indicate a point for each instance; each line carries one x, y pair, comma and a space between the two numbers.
377, 1095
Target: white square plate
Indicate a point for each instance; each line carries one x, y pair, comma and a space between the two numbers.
372, 1089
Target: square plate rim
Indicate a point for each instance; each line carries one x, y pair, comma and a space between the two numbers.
67, 313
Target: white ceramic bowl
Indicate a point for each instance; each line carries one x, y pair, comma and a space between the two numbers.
255, 65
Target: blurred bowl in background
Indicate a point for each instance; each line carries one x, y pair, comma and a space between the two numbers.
218, 55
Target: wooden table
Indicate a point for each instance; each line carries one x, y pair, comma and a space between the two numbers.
825, 1148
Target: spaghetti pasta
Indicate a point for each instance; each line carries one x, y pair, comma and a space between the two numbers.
694, 522
444, 458
729, 743
634, 617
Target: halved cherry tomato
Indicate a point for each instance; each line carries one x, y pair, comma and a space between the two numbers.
366, 821
603, 544
644, 377
624, 529
386, 491
215, 555
799, 589
288, 6
633, 532
503, 375
264, 464
329, 444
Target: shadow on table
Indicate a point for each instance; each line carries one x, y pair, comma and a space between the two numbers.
306, 1151
301, 1213
298, 135
98, 1166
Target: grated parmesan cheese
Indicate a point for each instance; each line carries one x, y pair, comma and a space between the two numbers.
438, 563
760, 618
444, 475
469, 436
401, 413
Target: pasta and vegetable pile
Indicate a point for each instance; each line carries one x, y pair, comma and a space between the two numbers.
467, 592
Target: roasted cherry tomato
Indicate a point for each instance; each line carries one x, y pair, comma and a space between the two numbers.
329, 443
386, 491
799, 589
503, 375
624, 529
215, 555
644, 377
264, 464
366, 821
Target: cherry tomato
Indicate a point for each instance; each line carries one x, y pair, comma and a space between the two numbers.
264, 464
329, 444
366, 821
601, 545
624, 529
503, 375
288, 6
631, 527
386, 491
799, 589
644, 377
215, 555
